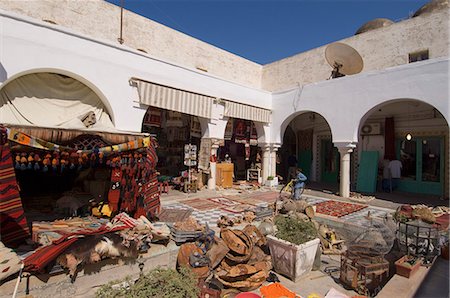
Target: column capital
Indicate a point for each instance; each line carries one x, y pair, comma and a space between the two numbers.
270, 146
345, 147
215, 143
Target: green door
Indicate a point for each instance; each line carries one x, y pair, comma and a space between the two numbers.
422, 165
304, 161
329, 162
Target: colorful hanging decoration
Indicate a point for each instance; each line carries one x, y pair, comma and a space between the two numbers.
229, 130
13, 223
153, 117
241, 131
253, 134
26, 140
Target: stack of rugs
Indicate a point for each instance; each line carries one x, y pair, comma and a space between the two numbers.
45, 233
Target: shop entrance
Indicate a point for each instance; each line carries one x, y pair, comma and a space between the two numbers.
240, 148
173, 130
422, 164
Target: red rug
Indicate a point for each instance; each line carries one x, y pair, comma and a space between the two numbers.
13, 223
337, 209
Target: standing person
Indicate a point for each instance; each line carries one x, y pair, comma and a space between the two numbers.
395, 167
385, 183
299, 184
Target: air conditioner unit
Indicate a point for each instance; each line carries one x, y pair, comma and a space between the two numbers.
371, 129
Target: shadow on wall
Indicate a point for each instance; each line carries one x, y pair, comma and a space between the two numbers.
3, 74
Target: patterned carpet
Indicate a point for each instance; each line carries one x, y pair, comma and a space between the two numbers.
174, 215
337, 209
209, 210
202, 204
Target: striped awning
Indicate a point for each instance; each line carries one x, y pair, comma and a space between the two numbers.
173, 99
243, 111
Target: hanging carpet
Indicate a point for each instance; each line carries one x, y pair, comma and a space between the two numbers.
13, 224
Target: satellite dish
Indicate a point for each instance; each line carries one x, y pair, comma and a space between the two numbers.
344, 59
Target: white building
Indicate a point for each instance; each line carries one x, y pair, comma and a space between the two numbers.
93, 61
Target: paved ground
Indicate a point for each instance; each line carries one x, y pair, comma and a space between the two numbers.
316, 282
436, 280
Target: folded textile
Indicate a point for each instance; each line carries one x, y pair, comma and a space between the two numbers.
37, 261
9, 262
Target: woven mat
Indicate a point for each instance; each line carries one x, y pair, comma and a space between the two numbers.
268, 197
337, 209
224, 201
174, 215
201, 204
246, 200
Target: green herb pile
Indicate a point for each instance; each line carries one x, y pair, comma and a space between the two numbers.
158, 283
295, 230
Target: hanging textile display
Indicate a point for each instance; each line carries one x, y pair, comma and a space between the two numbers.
253, 134
153, 117
26, 140
114, 192
133, 176
196, 130
204, 154
13, 223
247, 151
174, 119
241, 131
229, 130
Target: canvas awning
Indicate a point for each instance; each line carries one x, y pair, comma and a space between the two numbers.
51, 100
173, 99
247, 112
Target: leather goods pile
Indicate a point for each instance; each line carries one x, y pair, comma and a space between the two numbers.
238, 259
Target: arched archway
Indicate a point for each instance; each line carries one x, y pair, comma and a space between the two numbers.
307, 143
416, 134
241, 140
52, 98
173, 130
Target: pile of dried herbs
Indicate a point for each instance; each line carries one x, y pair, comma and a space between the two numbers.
156, 283
294, 230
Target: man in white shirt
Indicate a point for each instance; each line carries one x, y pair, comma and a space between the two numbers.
395, 168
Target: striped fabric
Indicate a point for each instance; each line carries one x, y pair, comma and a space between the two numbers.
243, 111
38, 260
151, 199
13, 224
125, 219
174, 99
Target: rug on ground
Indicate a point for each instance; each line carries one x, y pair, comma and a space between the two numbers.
337, 209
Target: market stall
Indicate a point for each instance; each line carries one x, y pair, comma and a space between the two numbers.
44, 180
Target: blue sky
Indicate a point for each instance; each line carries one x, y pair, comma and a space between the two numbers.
264, 31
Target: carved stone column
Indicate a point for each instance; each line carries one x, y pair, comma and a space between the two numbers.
273, 160
266, 168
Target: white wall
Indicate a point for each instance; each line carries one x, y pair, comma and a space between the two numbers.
346, 102
30, 46
380, 48
101, 20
